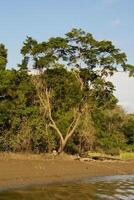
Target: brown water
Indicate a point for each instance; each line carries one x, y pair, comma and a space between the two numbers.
101, 188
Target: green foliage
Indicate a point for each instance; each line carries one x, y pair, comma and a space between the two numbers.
128, 129
74, 70
3, 57
130, 69
109, 123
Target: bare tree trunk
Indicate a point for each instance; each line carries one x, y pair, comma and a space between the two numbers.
44, 96
70, 131
62, 146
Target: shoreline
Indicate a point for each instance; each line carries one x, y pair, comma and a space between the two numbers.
22, 171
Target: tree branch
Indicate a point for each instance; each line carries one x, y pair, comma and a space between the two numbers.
53, 125
73, 128
77, 75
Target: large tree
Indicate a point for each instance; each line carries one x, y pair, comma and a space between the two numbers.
71, 77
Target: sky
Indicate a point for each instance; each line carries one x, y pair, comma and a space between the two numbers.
41, 19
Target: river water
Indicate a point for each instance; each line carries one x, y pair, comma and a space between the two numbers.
100, 188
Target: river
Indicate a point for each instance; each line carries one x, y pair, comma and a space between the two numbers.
119, 187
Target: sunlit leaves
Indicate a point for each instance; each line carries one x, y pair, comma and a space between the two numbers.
3, 57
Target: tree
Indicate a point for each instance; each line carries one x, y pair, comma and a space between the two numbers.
51, 111
3, 57
85, 59
109, 135
128, 129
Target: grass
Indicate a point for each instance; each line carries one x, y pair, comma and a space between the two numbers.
21, 156
121, 156
127, 155
30, 156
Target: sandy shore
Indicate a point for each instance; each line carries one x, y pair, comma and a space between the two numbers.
23, 170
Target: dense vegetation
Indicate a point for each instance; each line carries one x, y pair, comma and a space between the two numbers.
60, 98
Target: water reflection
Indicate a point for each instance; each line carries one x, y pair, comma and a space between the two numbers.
106, 188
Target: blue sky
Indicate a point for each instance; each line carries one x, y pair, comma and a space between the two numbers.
41, 19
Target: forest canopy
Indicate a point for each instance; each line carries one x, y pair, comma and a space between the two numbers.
59, 97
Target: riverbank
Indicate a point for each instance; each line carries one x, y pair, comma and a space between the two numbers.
17, 170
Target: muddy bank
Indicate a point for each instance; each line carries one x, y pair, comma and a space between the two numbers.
23, 170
